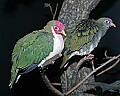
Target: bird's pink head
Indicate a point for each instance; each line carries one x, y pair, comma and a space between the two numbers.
59, 27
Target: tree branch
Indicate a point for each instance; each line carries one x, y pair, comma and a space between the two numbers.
74, 10
109, 67
51, 61
90, 74
71, 12
57, 92
49, 85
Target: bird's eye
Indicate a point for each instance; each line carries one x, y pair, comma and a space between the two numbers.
107, 21
56, 28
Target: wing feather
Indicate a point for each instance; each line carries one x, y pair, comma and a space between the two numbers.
82, 34
32, 48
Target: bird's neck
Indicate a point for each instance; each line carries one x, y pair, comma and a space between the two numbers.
58, 39
56, 35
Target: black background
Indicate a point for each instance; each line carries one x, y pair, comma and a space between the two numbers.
20, 17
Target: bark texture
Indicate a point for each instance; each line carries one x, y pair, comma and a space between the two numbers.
71, 12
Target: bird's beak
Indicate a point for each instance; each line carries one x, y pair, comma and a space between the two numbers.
112, 24
63, 32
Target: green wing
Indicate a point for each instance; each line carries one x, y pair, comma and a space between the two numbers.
82, 34
32, 48
80, 37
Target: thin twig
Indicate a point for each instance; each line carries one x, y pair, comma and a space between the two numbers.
56, 84
66, 80
80, 62
51, 61
48, 5
55, 11
109, 67
93, 67
105, 53
49, 85
90, 74
106, 56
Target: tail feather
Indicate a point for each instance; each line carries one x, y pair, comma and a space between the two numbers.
65, 59
18, 77
13, 77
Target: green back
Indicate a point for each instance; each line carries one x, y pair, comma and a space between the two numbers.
82, 34
32, 48
84, 37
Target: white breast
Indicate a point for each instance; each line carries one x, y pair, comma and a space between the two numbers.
58, 44
57, 48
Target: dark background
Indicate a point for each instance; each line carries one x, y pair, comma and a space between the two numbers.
20, 17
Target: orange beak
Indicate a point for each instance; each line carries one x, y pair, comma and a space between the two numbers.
112, 24
63, 32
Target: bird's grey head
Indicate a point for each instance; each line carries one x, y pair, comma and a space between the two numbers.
106, 22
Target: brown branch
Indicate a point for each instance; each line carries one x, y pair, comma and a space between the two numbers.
55, 11
90, 74
109, 67
80, 62
56, 84
51, 61
71, 12
74, 10
49, 85
48, 5
53, 14
66, 81
106, 56
64, 89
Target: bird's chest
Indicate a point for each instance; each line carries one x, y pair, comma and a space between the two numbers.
57, 48
91, 45
58, 44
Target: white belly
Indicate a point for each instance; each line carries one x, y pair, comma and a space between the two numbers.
57, 48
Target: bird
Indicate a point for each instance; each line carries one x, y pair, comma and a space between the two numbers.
84, 37
35, 48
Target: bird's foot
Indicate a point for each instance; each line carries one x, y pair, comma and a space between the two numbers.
52, 62
89, 57
41, 70
59, 55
